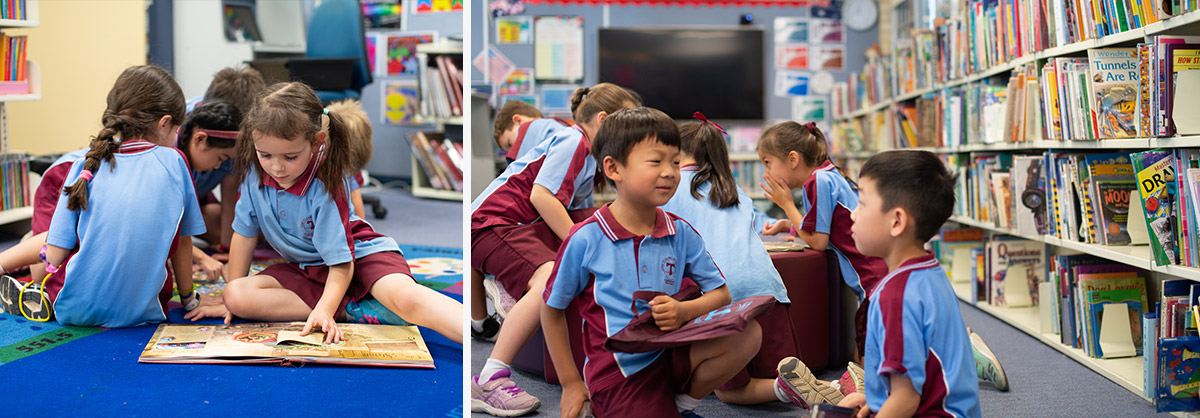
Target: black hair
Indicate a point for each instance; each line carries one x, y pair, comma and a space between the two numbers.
916, 181
216, 114
705, 143
625, 128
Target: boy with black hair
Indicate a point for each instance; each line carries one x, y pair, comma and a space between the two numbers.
918, 358
632, 245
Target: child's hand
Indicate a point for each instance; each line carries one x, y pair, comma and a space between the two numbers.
222, 257
777, 191
325, 323
574, 394
211, 267
665, 311
783, 225
856, 400
210, 307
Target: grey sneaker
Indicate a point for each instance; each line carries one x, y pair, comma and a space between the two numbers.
36, 306
802, 387
501, 397
987, 367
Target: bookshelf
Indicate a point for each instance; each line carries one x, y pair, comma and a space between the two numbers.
34, 77
865, 111
438, 108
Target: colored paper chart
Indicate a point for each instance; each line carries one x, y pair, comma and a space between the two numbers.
518, 82
791, 83
437, 6
514, 30
497, 65
557, 98
791, 30
402, 51
558, 47
832, 58
400, 102
791, 57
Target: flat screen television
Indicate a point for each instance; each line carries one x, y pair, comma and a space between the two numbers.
717, 70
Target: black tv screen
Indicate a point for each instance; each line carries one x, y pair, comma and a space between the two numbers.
714, 70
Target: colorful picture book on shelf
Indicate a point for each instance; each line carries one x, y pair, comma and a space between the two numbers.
1015, 268
367, 345
1156, 184
1178, 381
1113, 91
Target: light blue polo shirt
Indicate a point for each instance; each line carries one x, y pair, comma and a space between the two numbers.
915, 330
828, 201
731, 238
195, 101
302, 223
206, 181
124, 237
530, 134
603, 264
563, 164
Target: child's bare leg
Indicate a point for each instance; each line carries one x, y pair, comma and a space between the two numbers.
23, 254
523, 319
420, 305
714, 362
478, 296
262, 298
212, 221
753, 393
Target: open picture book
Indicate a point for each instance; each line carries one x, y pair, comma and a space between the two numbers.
368, 345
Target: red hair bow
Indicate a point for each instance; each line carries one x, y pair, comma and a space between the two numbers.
703, 119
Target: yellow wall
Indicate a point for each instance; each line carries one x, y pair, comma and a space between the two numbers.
81, 47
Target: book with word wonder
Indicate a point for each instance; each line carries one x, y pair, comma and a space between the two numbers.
369, 345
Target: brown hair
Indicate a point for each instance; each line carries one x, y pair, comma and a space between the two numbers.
240, 85
705, 143
292, 111
586, 102
139, 98
358, 131
806, 140
512, 108
917, 181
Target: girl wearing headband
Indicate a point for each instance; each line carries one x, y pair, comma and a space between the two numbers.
207, 139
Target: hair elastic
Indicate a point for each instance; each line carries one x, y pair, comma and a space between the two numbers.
220, 134
325, 111
812, 126
86, 175
703, 119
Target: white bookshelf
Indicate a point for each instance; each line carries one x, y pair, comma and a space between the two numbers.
34, 76
421, 186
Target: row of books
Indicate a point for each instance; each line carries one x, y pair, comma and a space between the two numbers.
14, 181
442, 88
13, 9
440, 158
12, 69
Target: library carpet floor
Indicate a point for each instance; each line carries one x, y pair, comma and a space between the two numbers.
64, 370
1044, 382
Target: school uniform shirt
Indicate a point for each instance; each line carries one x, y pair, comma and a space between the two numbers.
731, 238
537, 130
206, 181
828, 200
134, 214
195, 101
45, 199
915, 330
563, 164
302, 223
601, 264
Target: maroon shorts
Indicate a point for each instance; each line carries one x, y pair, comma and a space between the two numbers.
778, 343
309, 283
649, 392
860, 326
512, 253
208, 198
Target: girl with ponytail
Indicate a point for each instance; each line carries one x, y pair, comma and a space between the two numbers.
128, 204
723, 214
338, 268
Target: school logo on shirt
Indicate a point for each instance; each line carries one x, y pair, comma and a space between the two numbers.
668, 268
308, 225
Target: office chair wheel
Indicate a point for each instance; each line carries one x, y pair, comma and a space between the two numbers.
379, 211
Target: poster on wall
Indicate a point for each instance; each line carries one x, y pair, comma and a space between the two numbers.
514, 30
372, 59
557, 98
810, 109
558, 48
437, 6
791, 83
401, 50
527, 98
831, 9
518, 82
791, 30
493, 63
832, 58
791, 57
399, 101
826, 31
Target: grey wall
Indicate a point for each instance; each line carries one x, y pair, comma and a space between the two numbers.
764, 17
392, 153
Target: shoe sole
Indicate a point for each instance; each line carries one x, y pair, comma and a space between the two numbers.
824, 393
9, 291
492, 288
978, 344
481, 406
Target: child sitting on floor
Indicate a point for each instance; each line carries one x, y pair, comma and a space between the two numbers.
604, 261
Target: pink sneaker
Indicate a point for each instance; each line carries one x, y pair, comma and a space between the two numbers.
501, 397
802, 387
852, 379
